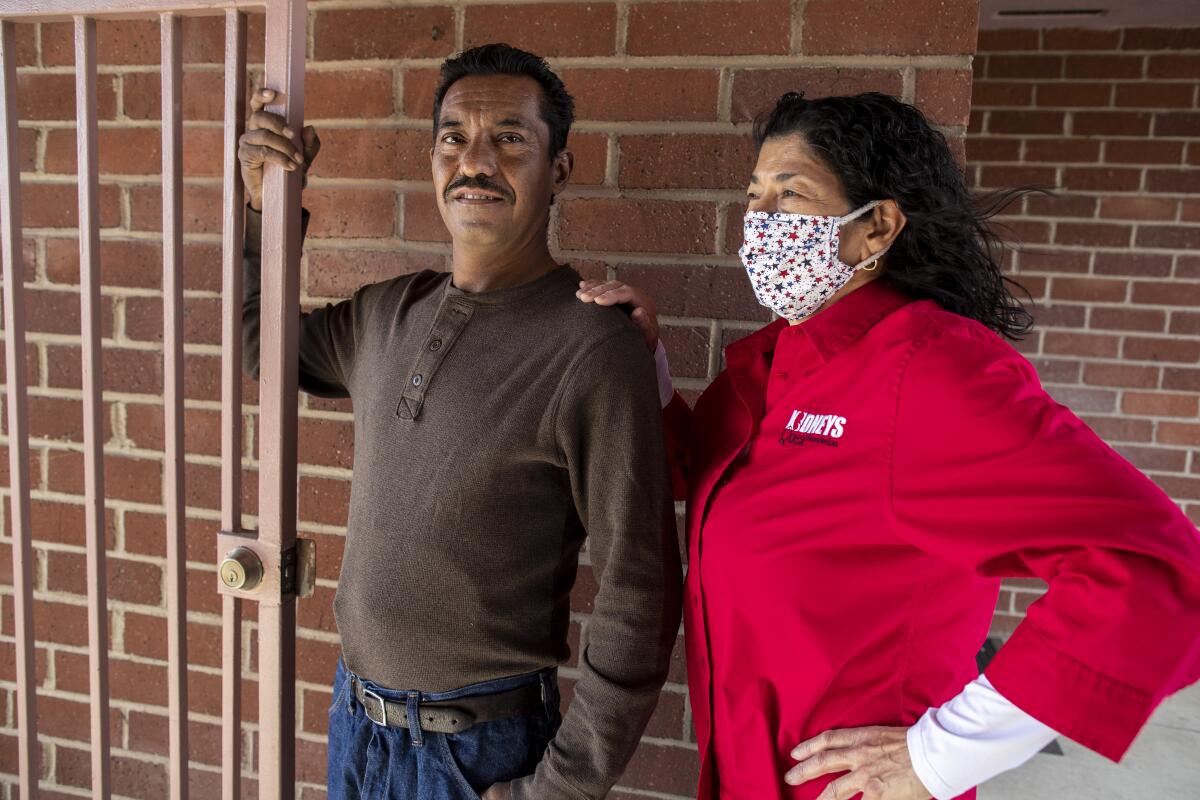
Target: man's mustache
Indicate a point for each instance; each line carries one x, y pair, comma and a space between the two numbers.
476, 182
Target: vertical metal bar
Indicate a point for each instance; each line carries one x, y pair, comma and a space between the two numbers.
173, 492
231, 397
18, 432
93, 403
284, 71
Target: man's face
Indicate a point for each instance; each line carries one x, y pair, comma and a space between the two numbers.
491, 162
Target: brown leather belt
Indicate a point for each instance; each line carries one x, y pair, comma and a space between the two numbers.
451, 716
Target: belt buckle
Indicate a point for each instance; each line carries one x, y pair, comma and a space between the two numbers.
382, 707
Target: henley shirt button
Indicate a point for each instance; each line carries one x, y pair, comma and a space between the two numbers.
416, 380
436, 344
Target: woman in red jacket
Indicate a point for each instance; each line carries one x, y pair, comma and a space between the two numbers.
866, 470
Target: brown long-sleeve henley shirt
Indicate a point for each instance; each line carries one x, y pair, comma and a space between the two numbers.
493, 433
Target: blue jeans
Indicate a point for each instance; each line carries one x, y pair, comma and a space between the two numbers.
371, 762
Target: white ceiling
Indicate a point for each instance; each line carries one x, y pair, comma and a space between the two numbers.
1113, 13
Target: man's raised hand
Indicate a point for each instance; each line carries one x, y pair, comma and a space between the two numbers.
268, 139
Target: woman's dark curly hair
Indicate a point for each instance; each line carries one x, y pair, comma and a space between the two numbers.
882, 148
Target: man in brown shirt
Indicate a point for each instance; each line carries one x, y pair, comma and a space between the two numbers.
498, 423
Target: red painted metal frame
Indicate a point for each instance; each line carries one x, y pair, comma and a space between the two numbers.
284, 71
18, 416
88, 159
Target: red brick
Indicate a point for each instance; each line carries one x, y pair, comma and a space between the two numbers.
327, 442
122, 263
756, 90
201, 208
1079, 39
1111, 123
144, 427
56, 205
1005, 176
1140, 151
709, 28
944, 95
1083, 400
1160, 405
340, 272
1189, 210
1062, 150
1060, 315
986, 94
1010, 39
915, 27
1027, 231
316, 660
148, 733
351, 213
1144, 265
323, 500
123, 151
696, 161
1092, 234
1166, 294
1081, 344
130, 776
1089, 290
57, 623
1093, 179
1173, 38
1178, 433
1144, 94
663, 768
687, 291
43, 96
637, 226
1129, 319
1175, 65
1061, 205
1179, 379
316, 612
1025, 65
1054, 370
1173, 181
1125, 375
1074, 95
419, 86
1105, 66
1177, 123
201, 319
688, 346
1185, 322
551, 30
348, 94
1176, 237
1040, 122
1120, 429
643, 94
1187, 267
203, 95
591, 158
1138, 208
1146, 349
136, 42
385, 33
376, 153
986, 148
1154, 458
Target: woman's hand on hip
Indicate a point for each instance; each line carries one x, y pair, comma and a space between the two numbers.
877, 760
614, 293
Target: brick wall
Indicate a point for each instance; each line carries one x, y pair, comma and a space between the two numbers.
1109, 119
665, 92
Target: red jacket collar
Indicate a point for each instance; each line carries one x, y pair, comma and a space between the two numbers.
832, 330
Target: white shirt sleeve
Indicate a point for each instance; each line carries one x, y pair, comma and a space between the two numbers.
666, 389
974, 737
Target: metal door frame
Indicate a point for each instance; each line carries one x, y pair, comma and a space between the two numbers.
274, 544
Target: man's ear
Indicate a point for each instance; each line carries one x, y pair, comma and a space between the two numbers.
564, 164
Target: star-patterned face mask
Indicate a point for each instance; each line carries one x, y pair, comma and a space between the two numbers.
792, 259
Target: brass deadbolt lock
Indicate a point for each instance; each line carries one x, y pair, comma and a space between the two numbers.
241, 569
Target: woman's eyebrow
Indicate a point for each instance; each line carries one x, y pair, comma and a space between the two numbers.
781, 176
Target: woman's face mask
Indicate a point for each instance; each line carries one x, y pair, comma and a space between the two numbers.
792, 259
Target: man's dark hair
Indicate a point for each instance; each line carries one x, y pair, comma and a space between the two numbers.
557, 107
881, 148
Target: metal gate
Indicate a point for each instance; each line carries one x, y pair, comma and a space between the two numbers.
266, 568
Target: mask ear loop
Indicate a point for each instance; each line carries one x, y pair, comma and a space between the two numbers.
872, 260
